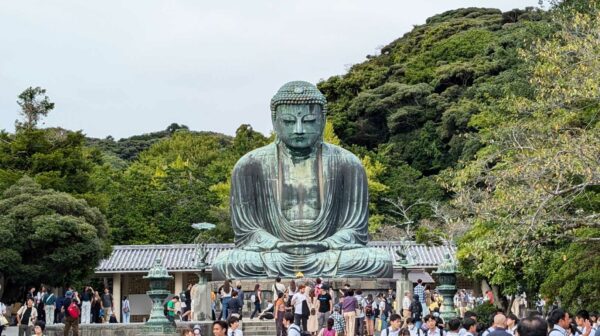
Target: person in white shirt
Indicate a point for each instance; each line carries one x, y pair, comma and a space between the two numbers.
559, 319
432, 327
453, 327
469, 325
394, 326
297, 302
584, 325
233, 324
511, 324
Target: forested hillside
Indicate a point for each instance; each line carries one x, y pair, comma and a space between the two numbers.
412, 106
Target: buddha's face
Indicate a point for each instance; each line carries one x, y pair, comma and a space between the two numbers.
299, 126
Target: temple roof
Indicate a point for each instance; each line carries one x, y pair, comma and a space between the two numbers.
182, 257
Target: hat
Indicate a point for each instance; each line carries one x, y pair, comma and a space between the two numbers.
336, 307
196, 327
69, 294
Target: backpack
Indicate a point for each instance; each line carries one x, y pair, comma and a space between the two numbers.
73, 310
369, 309
301, 332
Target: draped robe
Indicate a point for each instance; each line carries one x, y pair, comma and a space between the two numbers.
259, 224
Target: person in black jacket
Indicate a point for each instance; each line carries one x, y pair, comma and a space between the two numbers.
416, 311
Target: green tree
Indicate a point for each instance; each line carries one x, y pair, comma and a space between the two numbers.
532, 194
47, 237
34, 105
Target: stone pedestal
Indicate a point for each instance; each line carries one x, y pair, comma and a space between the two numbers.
200, 294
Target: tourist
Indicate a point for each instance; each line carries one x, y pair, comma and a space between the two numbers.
86, 304
278, 287
416, 311
172, 308
469, 325
233, 324
240, 297
71, 314
511, 323
31, 294
394, 327
300, 304
369, 315
233, 307
412, 328
196, 331
318, 286
419, 294
328, 330
339, 323
225, 293
360, 313
406, 301
464, 330
107, 304
499, 326
384, 311
492, 327
293, 329
313, 320
268, 312
453, 327
187, 332
38, 329
26, 317
126, 309
432, 326
349, 306
428, 299
49, 301
256, 299
582, 320
325, 306
532, 326
96, 308
219, 328
291, 291
279, 312
39, 303
186, 305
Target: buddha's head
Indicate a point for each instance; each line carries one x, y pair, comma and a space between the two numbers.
298, 114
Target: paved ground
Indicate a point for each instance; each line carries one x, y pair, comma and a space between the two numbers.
11, 331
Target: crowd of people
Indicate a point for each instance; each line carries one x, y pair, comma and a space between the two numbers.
314, 308
45, 307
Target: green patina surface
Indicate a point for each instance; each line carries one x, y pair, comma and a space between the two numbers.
300, 204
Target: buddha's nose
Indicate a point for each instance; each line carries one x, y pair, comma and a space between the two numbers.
299, 129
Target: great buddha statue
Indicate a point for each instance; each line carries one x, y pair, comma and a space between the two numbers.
300, 204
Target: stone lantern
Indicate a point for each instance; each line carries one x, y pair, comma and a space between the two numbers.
159, 279
447, 277
403, 283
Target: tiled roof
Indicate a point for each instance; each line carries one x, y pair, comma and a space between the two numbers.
182, 257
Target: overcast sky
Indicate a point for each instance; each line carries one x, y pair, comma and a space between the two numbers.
129, 67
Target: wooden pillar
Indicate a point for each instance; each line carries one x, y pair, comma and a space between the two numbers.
117, 295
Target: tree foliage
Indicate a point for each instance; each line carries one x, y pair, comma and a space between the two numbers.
411, 106
47, 237
533, 193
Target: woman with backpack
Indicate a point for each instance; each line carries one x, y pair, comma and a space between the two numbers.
256, 299
370, 315
416, 311
225, 292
